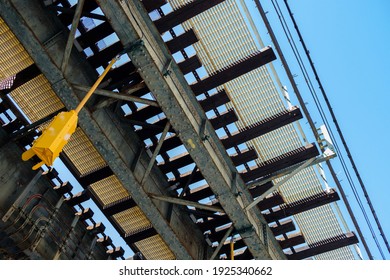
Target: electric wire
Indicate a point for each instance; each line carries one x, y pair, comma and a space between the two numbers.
323, 116
344, 143
310, 121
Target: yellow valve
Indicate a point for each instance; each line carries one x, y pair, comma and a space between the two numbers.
49, 145
53, 139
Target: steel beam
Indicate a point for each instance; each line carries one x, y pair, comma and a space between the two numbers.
118, 95
185, 202
235, 70
72, 33
43, 39
152, 161
182, 41
184, 13
262, 127
302, 205
324, 246
151, 5
190, 64
281, 162
179, 104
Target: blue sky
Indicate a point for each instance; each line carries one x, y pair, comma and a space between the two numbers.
348, 42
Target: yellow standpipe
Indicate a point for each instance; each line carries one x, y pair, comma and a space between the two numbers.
57, 134
232, 249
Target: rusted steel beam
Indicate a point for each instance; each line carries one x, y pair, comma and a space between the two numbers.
118, 206
215, 100
292, 240
94, 35
280, 162
189, 65
260, 189
105, 55
283, 228
78, 198
224, 119
244, 157
184, 13
22, 77
270, 202
151, 5
234, 70
262, 127
182, 41
138, 236
95, 176
302, 205
67, 17
324, 246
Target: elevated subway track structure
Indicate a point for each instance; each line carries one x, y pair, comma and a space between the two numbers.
146, 150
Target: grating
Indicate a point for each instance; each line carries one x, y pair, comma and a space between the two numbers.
83, 154
254, 96
14, 57
154, 248
132, 221
36, 98
109, 190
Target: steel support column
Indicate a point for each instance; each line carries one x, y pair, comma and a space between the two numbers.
43, 39
178, 102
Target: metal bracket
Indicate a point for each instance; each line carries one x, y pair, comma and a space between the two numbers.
132, 47
202, 131
166, 70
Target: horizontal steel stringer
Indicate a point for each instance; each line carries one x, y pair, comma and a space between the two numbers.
288, 175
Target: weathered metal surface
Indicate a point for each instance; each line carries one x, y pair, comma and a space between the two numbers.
262, 127
302, 205
44, 40
186, 116
235, 70
282, 161
151, 5
324, 246
184, 13
182, 41
190, 64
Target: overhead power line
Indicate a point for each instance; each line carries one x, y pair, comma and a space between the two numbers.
312, 90
341, 136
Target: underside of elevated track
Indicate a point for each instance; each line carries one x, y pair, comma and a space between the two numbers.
145, 151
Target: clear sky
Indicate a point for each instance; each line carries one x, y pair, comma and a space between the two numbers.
349, 43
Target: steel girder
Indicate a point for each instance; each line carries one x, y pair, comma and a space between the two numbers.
154, 63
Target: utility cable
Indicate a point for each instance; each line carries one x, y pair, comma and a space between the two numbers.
322, 114
338, 128
307, 114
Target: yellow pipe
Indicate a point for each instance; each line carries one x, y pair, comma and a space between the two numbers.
95, 85
232, 249
49, 145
